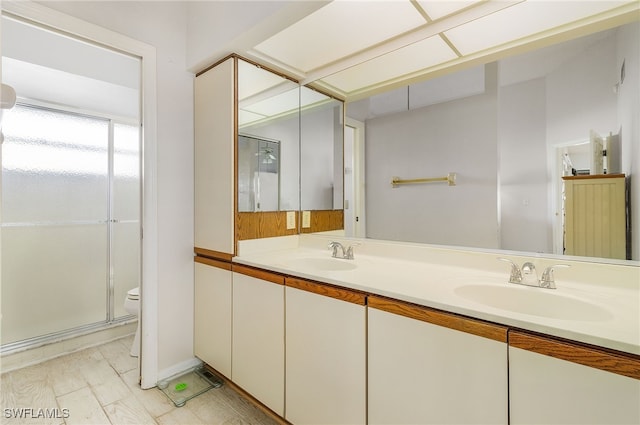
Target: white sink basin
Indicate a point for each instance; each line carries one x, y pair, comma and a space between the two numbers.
533, 301
320, 264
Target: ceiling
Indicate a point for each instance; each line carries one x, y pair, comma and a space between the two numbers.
353, 49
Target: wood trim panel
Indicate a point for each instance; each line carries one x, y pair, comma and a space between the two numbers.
213, 65
264, 224
258, 273
440, 318
594, 176
235, 153
598, 358
327, 290
212, 262
325, 220
216, 255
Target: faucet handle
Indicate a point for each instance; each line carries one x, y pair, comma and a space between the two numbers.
335, 245
349, 253
547, 279
516, 273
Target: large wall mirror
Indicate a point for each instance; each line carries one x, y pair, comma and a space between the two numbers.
268, 140
321, 155
290, 149
504, 129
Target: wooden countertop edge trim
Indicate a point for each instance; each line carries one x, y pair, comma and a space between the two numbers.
440, 318
216, 255
622, 364
594, 176
327, 290
258, 273
212, 262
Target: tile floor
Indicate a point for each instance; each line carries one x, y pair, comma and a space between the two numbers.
99, 386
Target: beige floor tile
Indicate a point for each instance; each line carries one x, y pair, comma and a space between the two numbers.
211, 407
245, 408
111, 390
117, 354
152, 399
28, 401
84, 408
181, 416
98, 371
100, 386
129, 411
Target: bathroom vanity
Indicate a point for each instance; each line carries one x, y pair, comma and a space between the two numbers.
402, 334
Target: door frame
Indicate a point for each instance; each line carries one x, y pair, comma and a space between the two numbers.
53, 19
358, 220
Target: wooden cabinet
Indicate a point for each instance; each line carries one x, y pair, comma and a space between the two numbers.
258, 335
214, 155
430, 367
212, 313
553, 382
325, 354
595, 216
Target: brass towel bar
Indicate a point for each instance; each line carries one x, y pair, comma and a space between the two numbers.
449, 178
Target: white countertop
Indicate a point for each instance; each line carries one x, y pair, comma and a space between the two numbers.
432, 277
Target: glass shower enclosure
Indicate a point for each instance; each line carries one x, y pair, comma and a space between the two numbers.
71, 185
70, 222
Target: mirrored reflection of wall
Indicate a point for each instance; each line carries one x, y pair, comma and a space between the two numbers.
268, 109
258, 174
501, 137
321, 162
321, 151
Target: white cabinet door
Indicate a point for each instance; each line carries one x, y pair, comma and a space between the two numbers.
214, 153
423, 373
212, 314
553, 390
325, 355
258, 336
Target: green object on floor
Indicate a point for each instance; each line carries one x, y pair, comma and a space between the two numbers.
183, 387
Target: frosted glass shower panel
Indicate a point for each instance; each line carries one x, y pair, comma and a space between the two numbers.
55, 167
41, 292
258, 174
125, 230
55, 212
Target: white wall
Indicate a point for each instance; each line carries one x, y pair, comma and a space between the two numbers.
164, 25
522, 150
629, 120
580, 94
575, 96
458, 136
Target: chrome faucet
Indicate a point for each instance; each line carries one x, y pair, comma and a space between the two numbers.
516, 273
547, 280
527, 275
347, 254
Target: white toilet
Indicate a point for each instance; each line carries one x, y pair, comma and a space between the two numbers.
132, 306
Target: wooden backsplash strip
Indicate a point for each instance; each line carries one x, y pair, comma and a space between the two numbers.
327, 290
258, 273
212, 262
256, 225
440, 318
216, 255
622, 364
325, 220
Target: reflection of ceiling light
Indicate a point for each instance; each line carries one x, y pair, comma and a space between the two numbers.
267, 156
8, 97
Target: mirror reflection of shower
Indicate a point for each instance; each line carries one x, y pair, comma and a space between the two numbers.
258, 174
